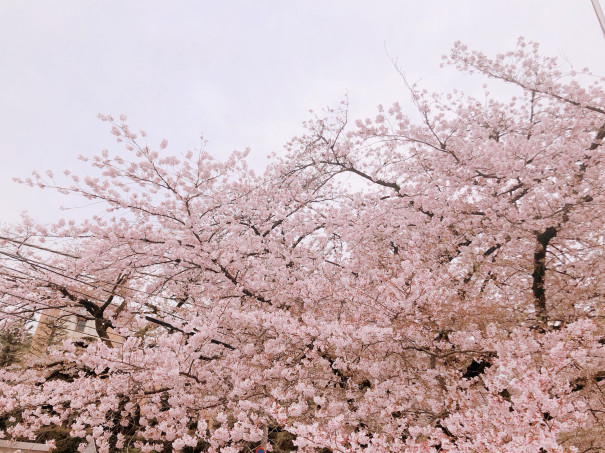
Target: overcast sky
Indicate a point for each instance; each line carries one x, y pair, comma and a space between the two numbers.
242, 73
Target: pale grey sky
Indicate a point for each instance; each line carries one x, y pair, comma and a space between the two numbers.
242, 73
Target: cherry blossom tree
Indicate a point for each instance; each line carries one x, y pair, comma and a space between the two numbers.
390, 284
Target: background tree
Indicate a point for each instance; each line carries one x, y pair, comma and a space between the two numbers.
392, 285
14, 341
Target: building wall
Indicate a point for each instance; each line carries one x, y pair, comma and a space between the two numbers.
57, 324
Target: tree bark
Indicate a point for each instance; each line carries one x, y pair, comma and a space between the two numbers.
539, 274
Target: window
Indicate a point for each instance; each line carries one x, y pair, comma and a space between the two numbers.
81, 324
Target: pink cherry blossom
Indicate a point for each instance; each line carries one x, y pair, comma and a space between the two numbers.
385, 285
